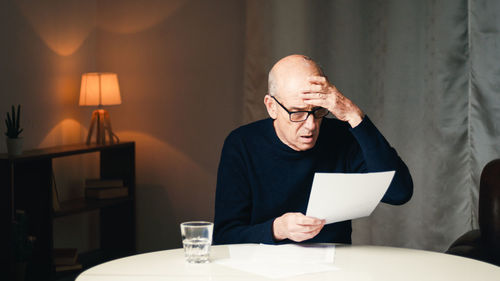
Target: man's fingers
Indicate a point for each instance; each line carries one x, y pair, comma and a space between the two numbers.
316, 99
297, 227
318, 102
317, 79
305, 220
315, 88
307, 228
301, 236
313, 95
313, 232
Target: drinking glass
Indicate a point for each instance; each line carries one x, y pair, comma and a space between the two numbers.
196, 240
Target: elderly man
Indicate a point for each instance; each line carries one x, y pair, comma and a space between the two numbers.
266, 167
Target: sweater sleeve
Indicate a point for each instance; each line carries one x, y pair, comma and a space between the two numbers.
233, 200
374, 154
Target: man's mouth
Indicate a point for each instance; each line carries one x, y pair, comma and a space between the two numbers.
306, 138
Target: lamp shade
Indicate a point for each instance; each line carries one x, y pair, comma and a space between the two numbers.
100, 88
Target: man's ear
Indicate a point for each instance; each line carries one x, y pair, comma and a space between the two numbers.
270, 106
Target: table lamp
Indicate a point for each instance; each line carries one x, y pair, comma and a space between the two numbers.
100, 89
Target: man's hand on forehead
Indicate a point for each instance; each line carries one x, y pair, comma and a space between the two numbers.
318, 87
320, 92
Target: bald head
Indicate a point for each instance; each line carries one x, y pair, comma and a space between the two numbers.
289, 69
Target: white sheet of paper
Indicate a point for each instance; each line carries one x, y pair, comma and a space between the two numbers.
280, 261
338, 197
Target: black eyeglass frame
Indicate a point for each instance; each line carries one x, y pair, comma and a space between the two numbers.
313, 112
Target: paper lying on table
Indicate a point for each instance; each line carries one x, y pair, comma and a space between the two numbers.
280, 261
339, 197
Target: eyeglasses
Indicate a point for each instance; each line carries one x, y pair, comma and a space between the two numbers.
300, 116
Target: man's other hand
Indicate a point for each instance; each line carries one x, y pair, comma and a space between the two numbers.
296, 227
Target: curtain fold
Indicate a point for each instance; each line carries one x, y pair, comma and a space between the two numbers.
484, 126
425, 73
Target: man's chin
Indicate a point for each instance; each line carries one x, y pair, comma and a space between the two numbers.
306, 145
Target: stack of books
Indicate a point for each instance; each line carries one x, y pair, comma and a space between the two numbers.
65, 259
105, 188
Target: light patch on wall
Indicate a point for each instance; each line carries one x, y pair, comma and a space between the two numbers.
131, 16
68, 131
66, 87
62, 25
183, 178
171, 188
151, 149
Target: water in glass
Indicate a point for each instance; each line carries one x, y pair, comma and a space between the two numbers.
197, 249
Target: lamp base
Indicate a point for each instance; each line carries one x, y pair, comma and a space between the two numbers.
100, 118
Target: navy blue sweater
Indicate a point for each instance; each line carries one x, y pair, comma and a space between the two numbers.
260, 178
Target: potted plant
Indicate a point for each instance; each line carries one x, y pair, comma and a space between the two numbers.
14, 142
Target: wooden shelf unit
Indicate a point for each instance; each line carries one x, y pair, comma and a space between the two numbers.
26, 184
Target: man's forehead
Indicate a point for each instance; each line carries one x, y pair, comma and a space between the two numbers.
296, 80
292, 86
293, 101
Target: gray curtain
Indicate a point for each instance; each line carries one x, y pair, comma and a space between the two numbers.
426, 72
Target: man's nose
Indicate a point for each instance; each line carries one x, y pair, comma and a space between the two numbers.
310, 123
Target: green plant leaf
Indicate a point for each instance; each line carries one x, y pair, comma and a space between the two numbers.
18, 117
13, 116
13, 122
9, 121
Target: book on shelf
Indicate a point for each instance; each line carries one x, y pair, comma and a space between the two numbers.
103, 183
106, 193
65, 256
61, 268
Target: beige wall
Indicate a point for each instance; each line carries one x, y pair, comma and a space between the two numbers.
180, 69
182, 87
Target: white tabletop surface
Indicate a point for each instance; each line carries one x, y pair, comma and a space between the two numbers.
370, 263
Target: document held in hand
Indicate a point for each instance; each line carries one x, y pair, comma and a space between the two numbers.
338, 197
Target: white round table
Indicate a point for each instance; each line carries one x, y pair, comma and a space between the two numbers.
354, 262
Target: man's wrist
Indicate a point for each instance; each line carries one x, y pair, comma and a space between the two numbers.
356, 118
276, 230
